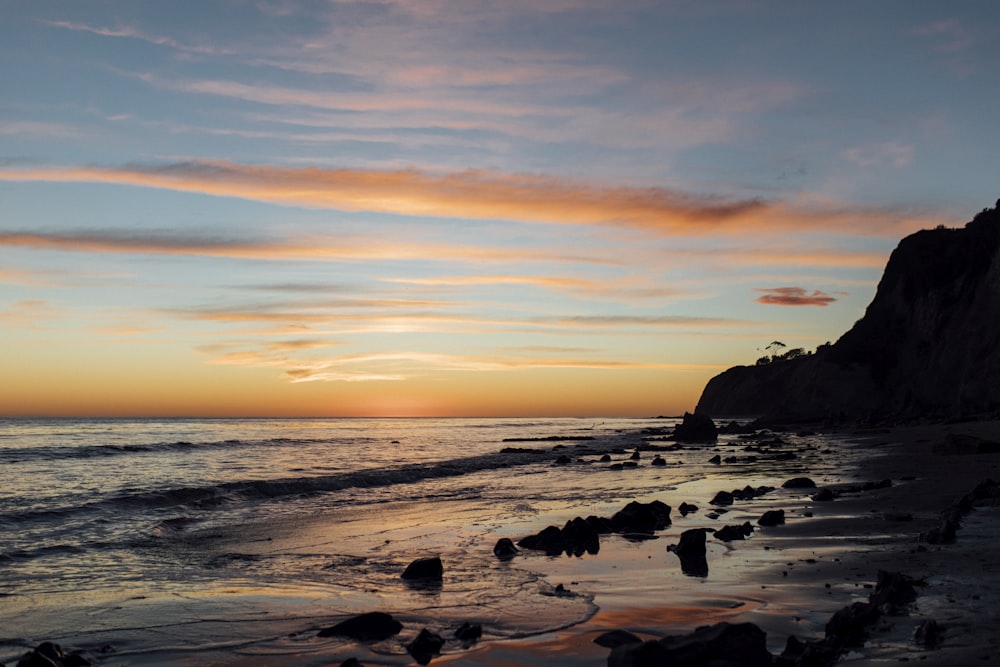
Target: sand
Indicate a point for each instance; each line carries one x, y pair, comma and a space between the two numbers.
790, 579
787, 579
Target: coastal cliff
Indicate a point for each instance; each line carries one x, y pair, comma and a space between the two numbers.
928, 344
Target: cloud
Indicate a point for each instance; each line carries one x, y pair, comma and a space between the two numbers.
307, 249
395, 366
794, 296
131, 32
29, 314
890, 153
489, 195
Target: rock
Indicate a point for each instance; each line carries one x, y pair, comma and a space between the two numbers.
722, 644
716, 460
823, 495
847, 627
772, 518
696, 428
635, 455
928, 634
49, 654
658, 461
371, 627
642, 518
351, 662
646, 654
577, 537
799, 483
722, 498
504, 549
730, 533
563, 460
424, 568
606, 458
616, 638
467, 632
426, 645
691, 552
686, 509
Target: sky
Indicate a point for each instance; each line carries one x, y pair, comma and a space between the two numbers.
302, 208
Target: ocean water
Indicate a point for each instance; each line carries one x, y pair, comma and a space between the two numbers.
185, 541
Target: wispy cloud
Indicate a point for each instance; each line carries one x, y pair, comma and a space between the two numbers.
29, 314
131, 32
794, 296
891, 153
489, 195
306, 249
387, 365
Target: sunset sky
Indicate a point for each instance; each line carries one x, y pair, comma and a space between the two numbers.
455, 207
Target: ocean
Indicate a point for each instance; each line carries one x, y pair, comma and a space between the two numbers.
190, 541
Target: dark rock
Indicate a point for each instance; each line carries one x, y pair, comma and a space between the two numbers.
606, 458
577, 537
722, 644
893, 592
616, 638
635, 455
730, 533
799, 483
847, 627
371, 627
647, 654
691, 551
722, 498
504, 549
49, 654
425, 568
716, 460
563, 460
772, 518
351, 662
468, 632
696, 428
658, 461
642, 517
426, 645
928, 634
823, 495
686, 509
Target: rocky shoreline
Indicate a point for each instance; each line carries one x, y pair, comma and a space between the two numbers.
910, 471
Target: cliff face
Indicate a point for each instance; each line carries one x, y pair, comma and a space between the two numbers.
929, 342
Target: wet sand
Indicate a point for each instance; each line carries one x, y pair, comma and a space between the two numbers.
790, 579
787, 579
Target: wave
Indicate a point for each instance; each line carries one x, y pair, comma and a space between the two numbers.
56, 453
203, 498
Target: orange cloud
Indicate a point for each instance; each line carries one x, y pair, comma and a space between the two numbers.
794, 296
487, 195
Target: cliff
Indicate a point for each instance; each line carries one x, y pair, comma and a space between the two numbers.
928, 344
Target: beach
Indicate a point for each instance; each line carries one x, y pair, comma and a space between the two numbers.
265, 585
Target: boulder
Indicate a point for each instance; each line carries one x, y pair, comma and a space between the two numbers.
696, 428
823, 495
772, 518
424, 569
658, 461
468, 632
426, 645
371, 627
639, 517
686, 508
731, 645
504, 549
691, 552
722, 498
799, 483
616, 638
730, 533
